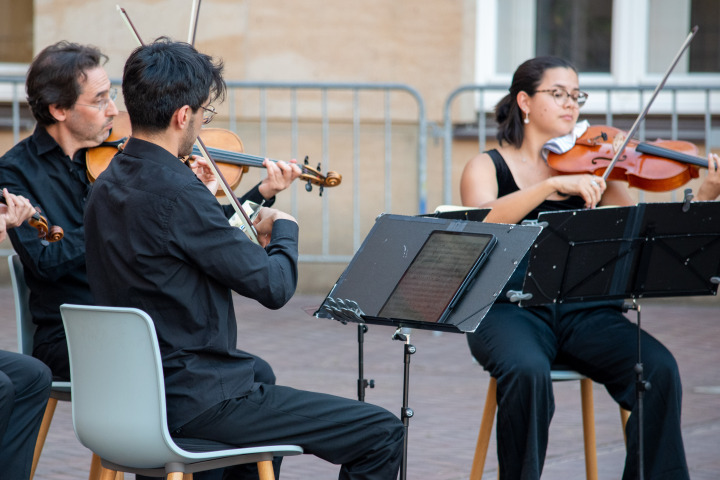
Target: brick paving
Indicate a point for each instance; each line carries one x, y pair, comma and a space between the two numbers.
447, 390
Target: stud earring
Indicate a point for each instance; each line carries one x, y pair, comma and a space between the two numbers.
527, 118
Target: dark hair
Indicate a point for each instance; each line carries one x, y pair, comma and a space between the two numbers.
165, 75
54, 77
526, 79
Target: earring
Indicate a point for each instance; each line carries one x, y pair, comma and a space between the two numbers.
527, 118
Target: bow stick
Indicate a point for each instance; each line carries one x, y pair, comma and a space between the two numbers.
621, 148
194, 14
250, 230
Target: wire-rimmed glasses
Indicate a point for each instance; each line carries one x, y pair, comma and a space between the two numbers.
561, 96
208, 114
103, 103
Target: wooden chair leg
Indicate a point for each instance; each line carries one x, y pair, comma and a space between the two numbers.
42, 434
188, 476
486, 425
175, 476
588, 413
102, 473
265, 470
624, 415
98, 472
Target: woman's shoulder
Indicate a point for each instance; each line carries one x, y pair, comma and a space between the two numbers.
483, 163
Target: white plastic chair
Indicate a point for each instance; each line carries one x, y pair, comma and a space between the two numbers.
118, 402
25, 333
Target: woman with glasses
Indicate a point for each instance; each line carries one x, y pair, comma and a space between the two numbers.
517, 345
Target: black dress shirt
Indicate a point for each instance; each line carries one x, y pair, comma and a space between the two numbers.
158, 240
38, 169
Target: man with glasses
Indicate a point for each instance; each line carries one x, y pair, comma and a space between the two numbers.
182, 265
72, 100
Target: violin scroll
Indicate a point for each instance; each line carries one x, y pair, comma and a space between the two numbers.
46, 232
313, 177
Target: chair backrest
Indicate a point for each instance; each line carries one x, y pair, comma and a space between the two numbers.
21, 294
118, 392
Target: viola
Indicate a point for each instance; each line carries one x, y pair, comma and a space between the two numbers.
224, 146
46, 233
657, 166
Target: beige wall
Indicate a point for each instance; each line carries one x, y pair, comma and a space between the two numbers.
428, 45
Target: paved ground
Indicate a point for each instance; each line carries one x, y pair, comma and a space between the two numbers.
447, 391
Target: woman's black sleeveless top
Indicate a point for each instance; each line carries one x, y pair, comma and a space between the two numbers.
506, 185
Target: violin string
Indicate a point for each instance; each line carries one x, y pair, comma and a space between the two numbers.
240, 158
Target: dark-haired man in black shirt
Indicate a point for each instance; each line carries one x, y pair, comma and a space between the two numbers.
180, 260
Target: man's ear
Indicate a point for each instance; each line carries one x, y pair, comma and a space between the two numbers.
59, 114
182, 117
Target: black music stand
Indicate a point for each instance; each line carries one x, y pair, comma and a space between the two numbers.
649, 250
459, 213
361, 291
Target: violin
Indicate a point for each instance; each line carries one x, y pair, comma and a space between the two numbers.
227, 149
657, 166
46, 233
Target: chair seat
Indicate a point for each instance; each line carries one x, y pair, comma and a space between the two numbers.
202, 445
217, 455
561, 373
61, 391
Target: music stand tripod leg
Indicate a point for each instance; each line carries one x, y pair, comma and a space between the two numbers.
363, 383
403, 334
641, 386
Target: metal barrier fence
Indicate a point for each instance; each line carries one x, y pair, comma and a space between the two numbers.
384, 125
323, 116
609, 101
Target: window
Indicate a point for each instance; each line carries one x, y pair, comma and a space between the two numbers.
577, 30
704, 51
16, 31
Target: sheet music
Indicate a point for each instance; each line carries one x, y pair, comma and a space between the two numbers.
435, 276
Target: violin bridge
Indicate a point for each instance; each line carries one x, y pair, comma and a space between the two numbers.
618, 141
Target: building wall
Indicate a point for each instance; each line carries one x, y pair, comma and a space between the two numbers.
428, 45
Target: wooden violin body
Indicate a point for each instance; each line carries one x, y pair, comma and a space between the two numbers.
224, 146
657, 166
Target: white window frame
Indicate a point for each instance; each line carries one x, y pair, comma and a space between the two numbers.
629, 52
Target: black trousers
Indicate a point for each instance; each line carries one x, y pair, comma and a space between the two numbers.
55, 355
364, 439
24, 391
518, 345
263, 374
367, 440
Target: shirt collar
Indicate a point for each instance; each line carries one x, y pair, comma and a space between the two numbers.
46, 143
152, 152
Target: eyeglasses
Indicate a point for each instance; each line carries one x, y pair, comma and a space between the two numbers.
208, 114
103, 103
561, 96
